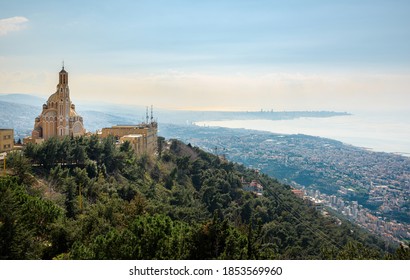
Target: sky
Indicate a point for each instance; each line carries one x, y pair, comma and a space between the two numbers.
212, 54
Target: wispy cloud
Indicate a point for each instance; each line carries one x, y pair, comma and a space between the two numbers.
8, 25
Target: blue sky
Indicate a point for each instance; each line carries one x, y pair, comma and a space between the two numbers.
211, 54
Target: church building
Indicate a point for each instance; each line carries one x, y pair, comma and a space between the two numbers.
58, 118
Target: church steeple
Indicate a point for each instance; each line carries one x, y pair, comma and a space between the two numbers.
63, 77
58, 117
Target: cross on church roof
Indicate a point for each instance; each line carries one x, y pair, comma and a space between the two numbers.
62, 70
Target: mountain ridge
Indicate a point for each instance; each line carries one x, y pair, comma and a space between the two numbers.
19, 107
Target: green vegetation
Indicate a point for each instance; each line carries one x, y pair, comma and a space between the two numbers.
85, 198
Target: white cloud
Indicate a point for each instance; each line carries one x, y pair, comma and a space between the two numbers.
8, 25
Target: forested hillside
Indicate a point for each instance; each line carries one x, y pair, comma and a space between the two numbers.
85, 198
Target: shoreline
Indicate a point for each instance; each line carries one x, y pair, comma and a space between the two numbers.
378, 144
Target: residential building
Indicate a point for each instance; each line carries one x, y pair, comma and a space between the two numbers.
298, 193
254, 187
6, 139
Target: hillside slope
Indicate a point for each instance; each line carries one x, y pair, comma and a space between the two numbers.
91, 200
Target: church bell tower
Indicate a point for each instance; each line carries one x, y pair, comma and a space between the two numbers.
63, 77
58, 117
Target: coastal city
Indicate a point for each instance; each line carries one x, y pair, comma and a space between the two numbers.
192, 139
389, 230
370, 188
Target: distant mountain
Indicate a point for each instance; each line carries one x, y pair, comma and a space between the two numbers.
96, 114
95, 120
19, 110
20, 117
180, 117
25, 99
28, 99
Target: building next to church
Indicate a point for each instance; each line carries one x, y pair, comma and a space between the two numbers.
6, 140
142, 137
58, 117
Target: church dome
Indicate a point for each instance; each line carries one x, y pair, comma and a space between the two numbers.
58, 117
53, 98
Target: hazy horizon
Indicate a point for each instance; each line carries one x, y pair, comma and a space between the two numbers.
214, 55
43, 98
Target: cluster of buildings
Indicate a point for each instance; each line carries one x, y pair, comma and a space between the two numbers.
59, 118
389, 230
315, 202
380, 180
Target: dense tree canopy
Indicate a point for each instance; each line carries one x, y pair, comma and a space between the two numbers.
86, 198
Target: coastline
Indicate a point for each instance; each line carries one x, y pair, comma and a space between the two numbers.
370, 134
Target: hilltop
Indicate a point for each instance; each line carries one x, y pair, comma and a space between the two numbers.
91, 200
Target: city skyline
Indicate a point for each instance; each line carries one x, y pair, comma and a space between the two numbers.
226, 55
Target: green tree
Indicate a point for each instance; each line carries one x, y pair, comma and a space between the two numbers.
78, 152
31, 151
94, 148
160, 145
48, 152
354, 250
25, 222
21, 167
70, 191
64, 151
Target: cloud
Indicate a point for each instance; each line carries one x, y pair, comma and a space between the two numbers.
8, 25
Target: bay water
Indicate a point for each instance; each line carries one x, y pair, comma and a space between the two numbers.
382, 132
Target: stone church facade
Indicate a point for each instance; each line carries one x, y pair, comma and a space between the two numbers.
58, 118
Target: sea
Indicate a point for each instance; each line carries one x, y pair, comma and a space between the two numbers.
381, 132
